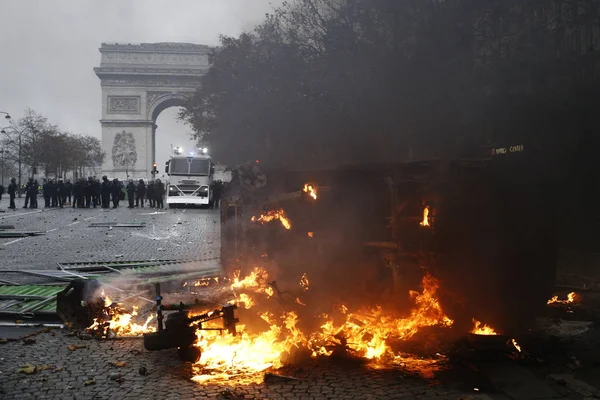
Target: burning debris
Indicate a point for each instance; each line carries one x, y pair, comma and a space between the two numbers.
117, 321
285, 332
304, 282
273, 215
516, 345
487, 341
571, 298
482, 329
310, 190
425, 222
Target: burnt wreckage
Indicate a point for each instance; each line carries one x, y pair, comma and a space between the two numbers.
488, 232
81, 303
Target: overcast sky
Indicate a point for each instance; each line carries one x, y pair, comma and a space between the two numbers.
48, 49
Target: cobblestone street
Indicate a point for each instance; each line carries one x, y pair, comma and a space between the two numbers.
56, 364
89, 372
170, 234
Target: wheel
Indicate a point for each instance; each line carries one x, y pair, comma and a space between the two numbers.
189, 354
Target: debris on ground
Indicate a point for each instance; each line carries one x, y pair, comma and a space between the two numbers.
143, 371
27, 369
115, 376
74, 347
119, 363
89, 382
277, 378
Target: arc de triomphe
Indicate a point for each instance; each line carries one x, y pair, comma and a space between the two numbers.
138, 82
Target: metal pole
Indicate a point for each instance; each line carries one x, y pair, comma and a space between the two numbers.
159, 307
20, 162
2, 166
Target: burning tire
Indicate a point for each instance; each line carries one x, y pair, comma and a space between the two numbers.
189, 354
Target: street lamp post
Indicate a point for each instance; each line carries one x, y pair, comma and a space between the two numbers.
2, 151
20, 160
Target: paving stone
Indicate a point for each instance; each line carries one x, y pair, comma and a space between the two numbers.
196, 237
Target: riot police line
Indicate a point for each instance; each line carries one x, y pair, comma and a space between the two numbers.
90, 193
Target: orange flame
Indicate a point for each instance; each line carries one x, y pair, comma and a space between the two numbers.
300, 301
107, 300
311, 190
514, 343
366, 333
304, 281
273, 215
121, 323
571, 298
482, 329
425, 221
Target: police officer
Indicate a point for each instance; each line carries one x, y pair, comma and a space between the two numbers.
12, 191
131, 193
97, 191
54, 194
32, 192
28, 200
150, 194
105, 191
89, 192
69, 191
140, 193
46, 192
61, 193
78, 193
217, 192
159, 193
116, 192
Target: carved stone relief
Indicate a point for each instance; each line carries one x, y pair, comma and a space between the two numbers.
124, 104
192, 82
124, 152
192, 60
152, 96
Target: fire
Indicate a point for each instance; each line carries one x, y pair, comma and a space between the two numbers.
367, 333
300, 301
311, 234
304, 282
311, 190
482, 329
425, 221
120, 323
571, 298
514, 343
273, 215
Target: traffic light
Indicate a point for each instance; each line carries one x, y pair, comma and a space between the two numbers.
154, 168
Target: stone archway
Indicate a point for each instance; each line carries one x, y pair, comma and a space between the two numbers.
138, 82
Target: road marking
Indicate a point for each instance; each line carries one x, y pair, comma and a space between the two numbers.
13, 241
73, 223
25, 213
52, 230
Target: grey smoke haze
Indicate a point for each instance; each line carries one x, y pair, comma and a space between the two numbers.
48, 49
